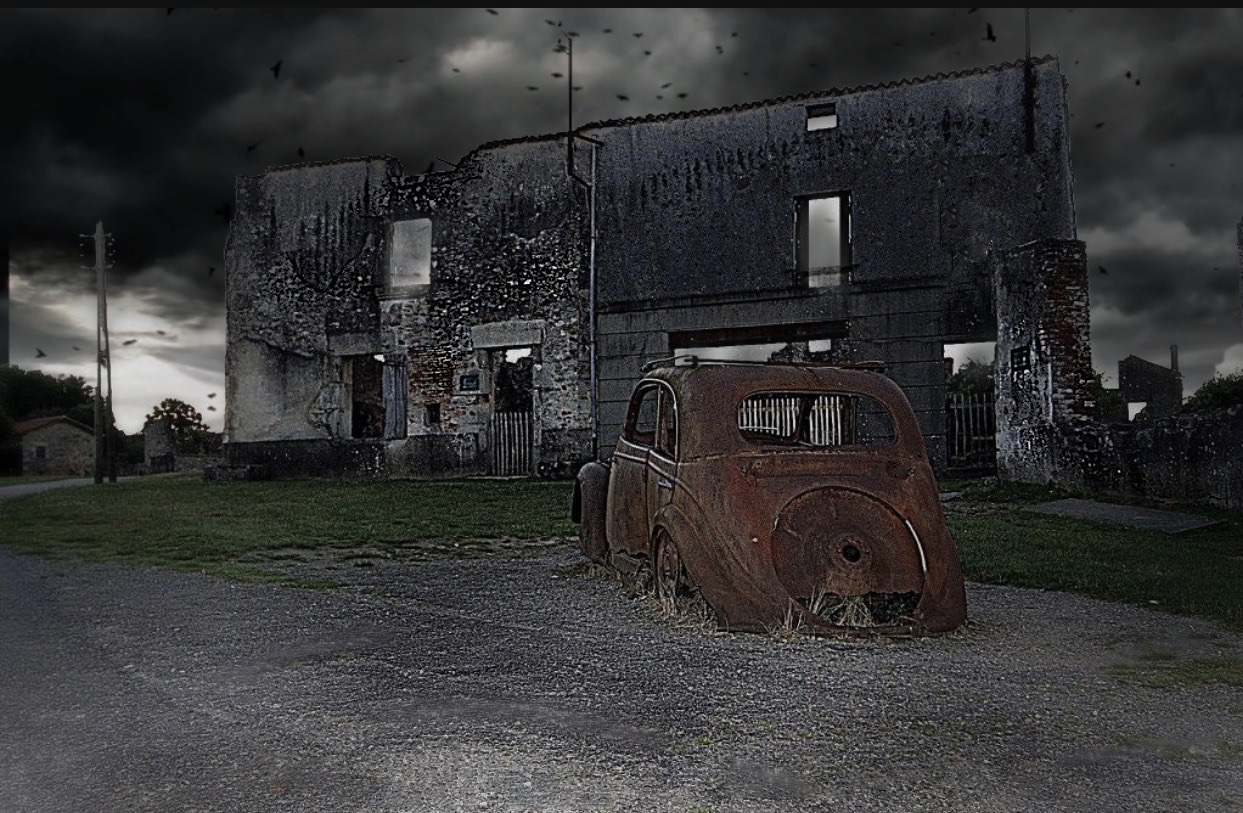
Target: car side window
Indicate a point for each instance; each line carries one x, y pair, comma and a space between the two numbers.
641, 421
667, 431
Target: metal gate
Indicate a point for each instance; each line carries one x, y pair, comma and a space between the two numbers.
510, 442
970, 428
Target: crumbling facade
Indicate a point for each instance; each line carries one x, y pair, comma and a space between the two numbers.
456, 322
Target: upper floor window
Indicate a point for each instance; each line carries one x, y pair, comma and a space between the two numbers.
410, 261
823, 230
821, 116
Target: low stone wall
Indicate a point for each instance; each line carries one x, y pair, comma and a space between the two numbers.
1190, 457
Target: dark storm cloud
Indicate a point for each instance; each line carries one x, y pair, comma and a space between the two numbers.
142, 119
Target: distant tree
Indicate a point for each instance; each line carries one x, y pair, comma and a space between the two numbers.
1218, 392
189, 431
26, 394
35, 394
972, 376
1109, 404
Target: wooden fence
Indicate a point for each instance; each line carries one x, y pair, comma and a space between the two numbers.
510, 442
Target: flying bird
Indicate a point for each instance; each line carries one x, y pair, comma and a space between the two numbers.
647, 53
532, 87
301, 153
734, 34
1100, 124
170, 11
990, 36
39, 353
639, 34
623, 98
276, 69
491, 11
211, 395
608, 31
1102, 269
972, 10
681, 95
211, 270
75, 348
665, 85
252, 147
550, 22
129, 341
226, 211
578, 87
557, 75
211, 408
160, 332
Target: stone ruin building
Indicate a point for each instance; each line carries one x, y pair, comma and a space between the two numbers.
492, 318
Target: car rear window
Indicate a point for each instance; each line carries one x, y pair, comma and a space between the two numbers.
817, 420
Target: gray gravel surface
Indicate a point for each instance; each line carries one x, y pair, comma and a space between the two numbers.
533, 683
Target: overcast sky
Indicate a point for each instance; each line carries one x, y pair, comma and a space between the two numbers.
143, 118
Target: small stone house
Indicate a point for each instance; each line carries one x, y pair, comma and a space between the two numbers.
56, 445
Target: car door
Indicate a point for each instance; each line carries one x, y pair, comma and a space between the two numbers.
627, 520
662, 458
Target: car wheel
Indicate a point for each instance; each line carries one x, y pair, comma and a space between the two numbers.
674, 588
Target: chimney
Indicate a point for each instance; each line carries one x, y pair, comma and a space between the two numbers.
1174, 357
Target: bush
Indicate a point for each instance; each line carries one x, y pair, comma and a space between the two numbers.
1219, 392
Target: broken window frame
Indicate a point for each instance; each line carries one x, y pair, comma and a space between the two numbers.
815, 421
644, 411
824, 275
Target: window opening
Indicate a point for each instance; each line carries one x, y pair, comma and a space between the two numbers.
410, 263
823, 239
821, 117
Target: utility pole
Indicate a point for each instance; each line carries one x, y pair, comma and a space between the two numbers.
105, 451
1029, 89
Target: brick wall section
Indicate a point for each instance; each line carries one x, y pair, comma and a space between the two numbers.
1044, 363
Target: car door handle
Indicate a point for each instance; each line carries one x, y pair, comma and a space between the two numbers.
663, 483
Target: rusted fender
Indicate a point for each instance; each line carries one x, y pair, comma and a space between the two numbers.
590, 499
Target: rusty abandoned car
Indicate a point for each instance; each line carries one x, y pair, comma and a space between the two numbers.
782, 495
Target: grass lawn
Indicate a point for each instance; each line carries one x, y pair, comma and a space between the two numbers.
1197, 572
180, 521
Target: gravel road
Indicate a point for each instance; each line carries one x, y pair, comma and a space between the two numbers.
529, 682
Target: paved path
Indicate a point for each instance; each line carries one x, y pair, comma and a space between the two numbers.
23, 489
525, 684
1172, 522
